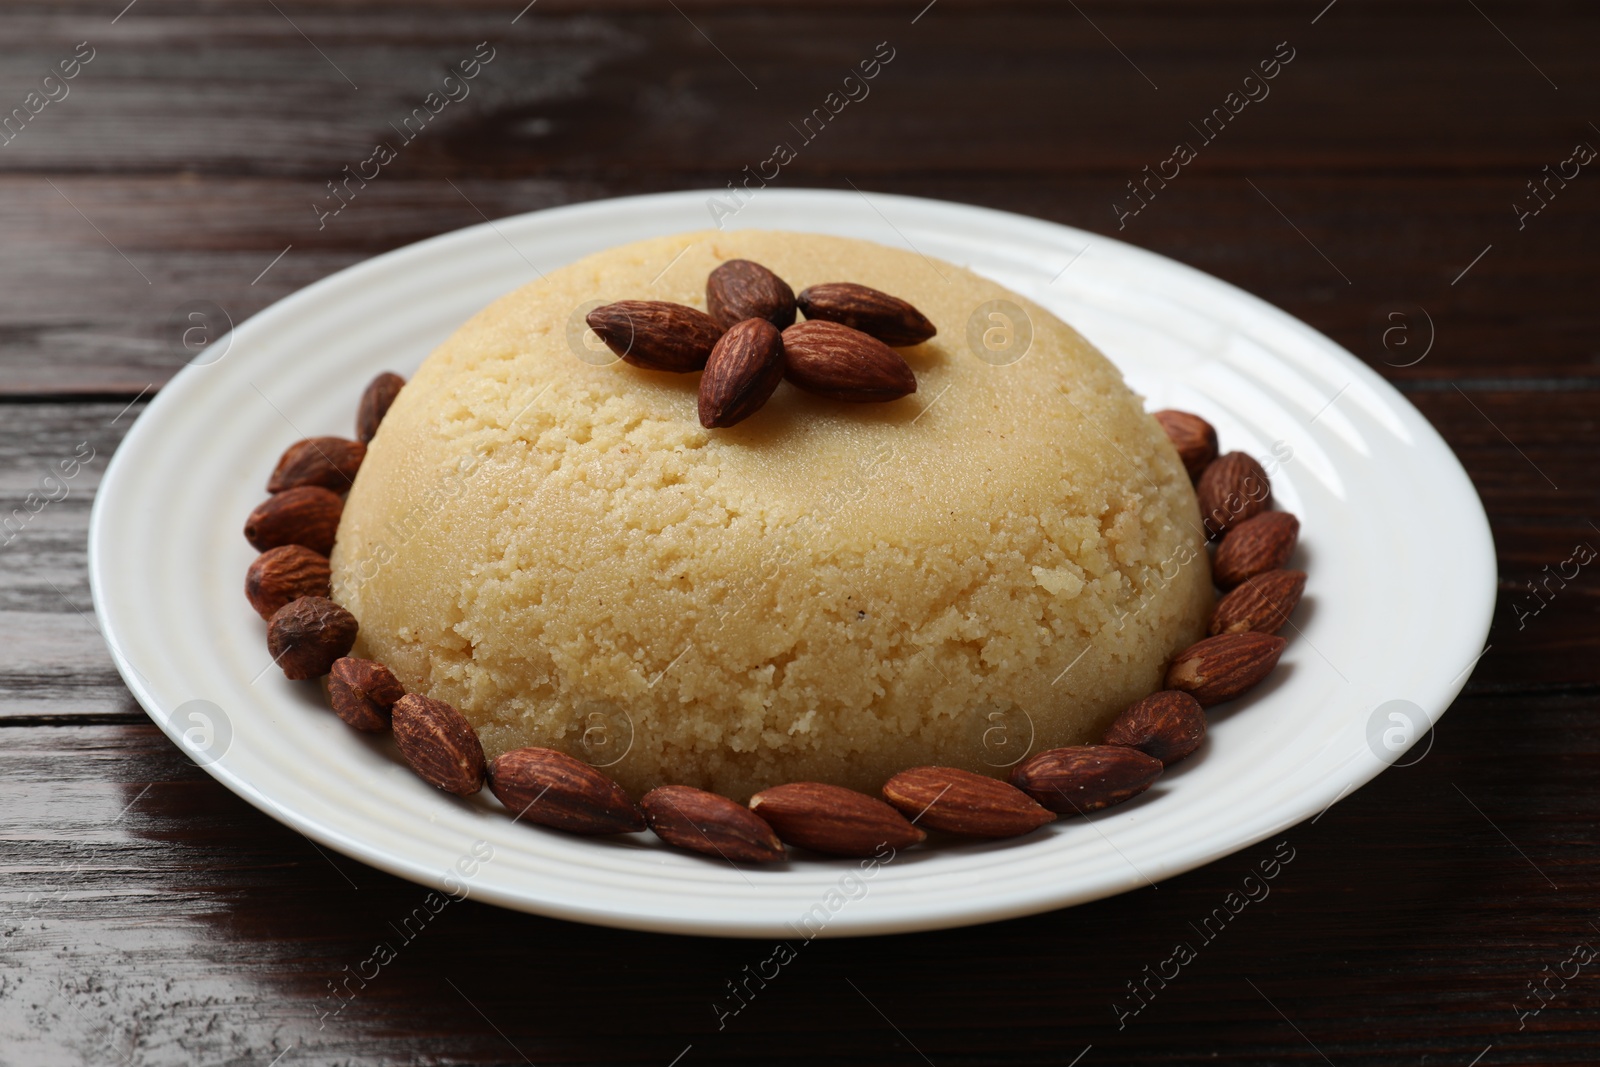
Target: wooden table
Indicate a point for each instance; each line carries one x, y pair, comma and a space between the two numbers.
148, 916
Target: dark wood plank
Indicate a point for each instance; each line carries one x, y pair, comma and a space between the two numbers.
51, 460
1101, 87
1517, 317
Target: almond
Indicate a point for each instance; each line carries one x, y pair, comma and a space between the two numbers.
1167, 725
832, 819
330, 462
553, 789
306, 516
363, 693
1261, 604
1193, 437
888, 318
745, 367
305, 636
655, 334
1084, 778
705, 822
375, 401
1231, 489
439, 743
961, 802
844, 364
1254, 547
740, 289
1223, 667
286, 573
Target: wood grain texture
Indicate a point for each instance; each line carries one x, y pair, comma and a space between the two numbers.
178, 921
149, 917
1399, 240
192, 150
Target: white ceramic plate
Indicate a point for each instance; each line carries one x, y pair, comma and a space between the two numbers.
1401, 563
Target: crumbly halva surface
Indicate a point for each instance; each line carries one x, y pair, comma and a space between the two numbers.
832, 592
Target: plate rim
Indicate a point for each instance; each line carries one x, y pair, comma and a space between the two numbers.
980, 909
